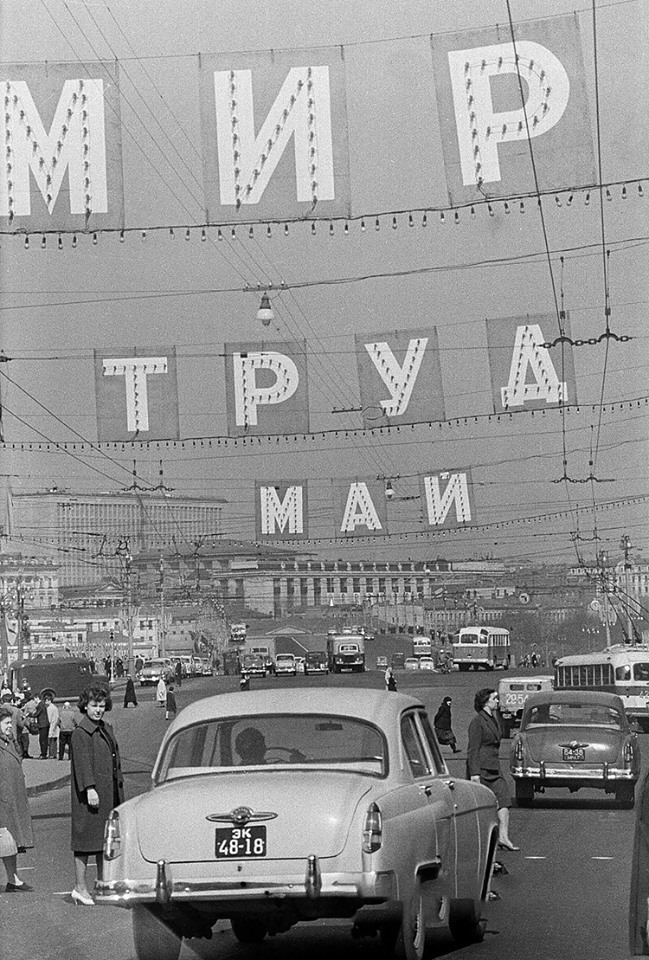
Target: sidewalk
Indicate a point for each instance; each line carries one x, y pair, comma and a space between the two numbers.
44, 775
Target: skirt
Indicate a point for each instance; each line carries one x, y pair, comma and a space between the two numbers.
498, 785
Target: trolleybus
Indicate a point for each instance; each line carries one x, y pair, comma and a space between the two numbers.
620, 669
478, 647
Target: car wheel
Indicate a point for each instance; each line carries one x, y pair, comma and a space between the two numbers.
248, 929
153, 939
625, 795
464, 922
411, 938
524, 792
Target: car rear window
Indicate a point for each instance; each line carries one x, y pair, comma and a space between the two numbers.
589, 714
313, 739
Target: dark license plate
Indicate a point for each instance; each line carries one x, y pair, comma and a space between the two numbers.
236, 843
574, 753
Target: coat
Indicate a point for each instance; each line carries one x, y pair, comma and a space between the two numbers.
14, 806
484, 744
41, 715
95, 763
442, 719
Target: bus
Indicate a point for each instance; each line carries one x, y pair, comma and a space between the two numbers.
620, 669
481, 647
422, 647
346, 652
64, 677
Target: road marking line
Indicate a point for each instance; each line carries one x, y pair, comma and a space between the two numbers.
535, 858
602, 858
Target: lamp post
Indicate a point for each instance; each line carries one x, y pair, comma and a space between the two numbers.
601, 563
625, 545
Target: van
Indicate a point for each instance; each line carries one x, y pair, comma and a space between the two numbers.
512, 694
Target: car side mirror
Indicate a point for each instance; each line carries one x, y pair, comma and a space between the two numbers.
635, 727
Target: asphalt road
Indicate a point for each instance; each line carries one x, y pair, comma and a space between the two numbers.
565, 896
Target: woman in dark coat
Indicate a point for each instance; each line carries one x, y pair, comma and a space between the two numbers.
14, 806
482, 761
129, 692
443, 726
97, 785
640, 876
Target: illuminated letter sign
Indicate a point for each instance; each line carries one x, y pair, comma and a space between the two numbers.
250, 168
281, 510
266, 388
399, 377
137, 394
503, 95
442, 491
360, 508
525, 375
56, 133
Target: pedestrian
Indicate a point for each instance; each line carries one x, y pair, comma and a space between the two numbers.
53, 732
69, 719
178, 673
97, 785
443, 725
171, 708
17, 722
43, 725
161, 692
482, 761
640, 875
390, 681
15, 820
129, 692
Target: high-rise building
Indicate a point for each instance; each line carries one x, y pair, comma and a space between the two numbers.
89, 536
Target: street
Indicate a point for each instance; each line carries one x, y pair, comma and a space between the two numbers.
564, 896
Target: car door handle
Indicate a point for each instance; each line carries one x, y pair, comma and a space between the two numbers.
425, 789
450, 784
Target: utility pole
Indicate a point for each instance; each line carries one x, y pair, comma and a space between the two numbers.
625, 545
21, 621
602, 558
163, 626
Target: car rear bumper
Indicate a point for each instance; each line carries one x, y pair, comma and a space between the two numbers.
602, 773
163, 887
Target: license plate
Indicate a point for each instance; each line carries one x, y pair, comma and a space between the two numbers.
237, 843
574, 753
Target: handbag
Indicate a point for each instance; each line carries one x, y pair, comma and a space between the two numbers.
8, 846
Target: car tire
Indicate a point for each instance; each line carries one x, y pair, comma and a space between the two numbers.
152, 938
625, 795
410, 941
524, 793
248, 929
464, 922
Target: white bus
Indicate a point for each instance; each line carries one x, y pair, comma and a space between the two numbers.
422, 646
481, 647
620, 669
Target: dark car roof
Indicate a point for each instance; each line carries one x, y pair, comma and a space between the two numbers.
574, 696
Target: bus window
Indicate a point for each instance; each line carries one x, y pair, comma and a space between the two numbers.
641, 671
624, 673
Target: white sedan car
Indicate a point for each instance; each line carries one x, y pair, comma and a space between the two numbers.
273, 807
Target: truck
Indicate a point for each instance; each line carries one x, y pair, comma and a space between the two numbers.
512, 694
238, 632
63, 677
231, 663
346, 652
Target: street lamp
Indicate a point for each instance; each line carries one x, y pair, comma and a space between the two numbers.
265, 313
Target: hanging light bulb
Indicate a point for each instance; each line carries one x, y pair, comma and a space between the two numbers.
122, 236
286, 229
411, 222
144, 234
233, 234
506, 207
557, 200
394, 223
587, 200
26, 244
331, 228
43, 242
363, 227
313, 230
171, 233
569, 200
265, 312
377, 225
457, 217
442, 218
472, 212
94, 239
269, 232
640, 190
219, 234
522, 206
187, 234
251, 233
346, 229
203, 235
490, 209
74, 241
609, 195
424, 220
389, 490
624, 191
60, 242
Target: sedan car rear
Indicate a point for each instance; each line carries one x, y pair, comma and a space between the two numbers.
274, 807
575, 739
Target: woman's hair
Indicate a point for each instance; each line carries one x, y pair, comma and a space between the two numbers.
95, 692
447, 700
5, 712
481, 698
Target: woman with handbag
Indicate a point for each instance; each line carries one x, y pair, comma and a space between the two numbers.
15, 820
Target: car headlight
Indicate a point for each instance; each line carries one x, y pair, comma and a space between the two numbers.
373, 830
112, 837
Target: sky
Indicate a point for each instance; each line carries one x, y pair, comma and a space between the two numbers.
549, 486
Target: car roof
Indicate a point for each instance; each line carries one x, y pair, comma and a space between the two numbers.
376, 706
574, 696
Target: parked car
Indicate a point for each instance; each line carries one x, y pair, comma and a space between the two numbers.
285, 665
575, 739
204, 667
397, 661
381, 663
426, 663
411, 663
512, 694
152, 670
276, 806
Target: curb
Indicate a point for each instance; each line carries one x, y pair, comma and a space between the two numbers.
39, 788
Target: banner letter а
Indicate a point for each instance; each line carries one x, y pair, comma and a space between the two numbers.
135, 370
281, 513
528, 354
359, 510
248, 396
479, 128
76, 143
302, 109
438, 504
400, 380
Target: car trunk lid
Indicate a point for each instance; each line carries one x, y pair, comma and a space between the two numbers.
557, 745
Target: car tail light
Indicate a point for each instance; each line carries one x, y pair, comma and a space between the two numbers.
518, 749
373, 830
628, 754
112, 837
